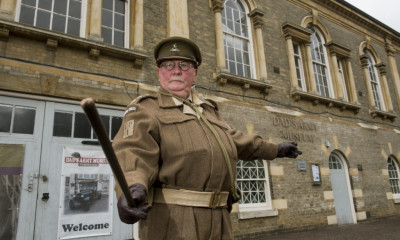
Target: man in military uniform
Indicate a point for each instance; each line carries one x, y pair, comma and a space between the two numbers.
179, 156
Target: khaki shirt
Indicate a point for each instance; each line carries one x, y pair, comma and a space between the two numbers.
163, 142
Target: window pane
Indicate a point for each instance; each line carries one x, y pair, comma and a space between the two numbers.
73, 26
108, 4
43, 19
115, 125
29, 2
75, 9
119, 38
60, 6
27, 15
45, 4
120, 7
24, 120
82, 127
119, 22
106, 18
62, 124
106, 122
58, 23
5, 118
106, 34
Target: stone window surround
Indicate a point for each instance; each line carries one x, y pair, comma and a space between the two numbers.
301, 36
221, 74
381, 69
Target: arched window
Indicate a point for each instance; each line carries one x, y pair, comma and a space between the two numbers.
335, 162
237, 44
375, 83
320, 63
393, 170
252, 180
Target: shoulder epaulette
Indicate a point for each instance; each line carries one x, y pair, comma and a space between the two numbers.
142, 97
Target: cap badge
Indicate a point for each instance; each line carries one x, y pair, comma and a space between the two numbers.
174, 48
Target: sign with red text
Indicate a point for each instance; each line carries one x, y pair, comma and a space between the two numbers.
86, 195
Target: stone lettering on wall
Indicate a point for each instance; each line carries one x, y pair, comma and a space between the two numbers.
295, 129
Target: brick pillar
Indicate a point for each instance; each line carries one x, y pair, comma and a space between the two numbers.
178, 19
95, 20
256, 16
367, 78
7, 8
353, 90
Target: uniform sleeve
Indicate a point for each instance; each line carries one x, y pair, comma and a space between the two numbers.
253, 147
137, 148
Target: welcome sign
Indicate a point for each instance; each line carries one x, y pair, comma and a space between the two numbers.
86, 198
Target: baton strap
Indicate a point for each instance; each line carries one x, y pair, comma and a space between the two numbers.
184, 197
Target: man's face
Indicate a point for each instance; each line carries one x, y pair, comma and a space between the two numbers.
177, 81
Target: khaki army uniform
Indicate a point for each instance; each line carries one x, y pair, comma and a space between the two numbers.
163, 144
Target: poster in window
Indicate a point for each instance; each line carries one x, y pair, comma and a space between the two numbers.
316, 175
86, 196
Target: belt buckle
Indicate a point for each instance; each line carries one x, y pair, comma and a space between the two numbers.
214, 199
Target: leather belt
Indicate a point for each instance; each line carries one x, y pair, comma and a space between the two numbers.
190, 198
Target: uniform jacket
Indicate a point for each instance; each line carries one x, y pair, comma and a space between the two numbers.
163, 142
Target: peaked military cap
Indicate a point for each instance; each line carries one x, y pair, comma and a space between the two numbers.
177, 48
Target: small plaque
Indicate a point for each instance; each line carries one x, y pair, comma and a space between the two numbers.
301, 166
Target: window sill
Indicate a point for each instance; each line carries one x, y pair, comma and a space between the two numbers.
384, 115
330, 102
396, 200
257, 214
54, 39
247, 83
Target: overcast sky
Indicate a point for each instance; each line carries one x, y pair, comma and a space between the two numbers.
386, 11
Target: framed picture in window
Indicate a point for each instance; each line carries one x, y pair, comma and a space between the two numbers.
315, 173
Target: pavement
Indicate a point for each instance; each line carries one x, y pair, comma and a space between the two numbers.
376, 229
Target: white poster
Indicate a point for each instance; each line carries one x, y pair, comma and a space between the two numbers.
86, 195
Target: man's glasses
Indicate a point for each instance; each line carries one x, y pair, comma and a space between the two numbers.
184, 66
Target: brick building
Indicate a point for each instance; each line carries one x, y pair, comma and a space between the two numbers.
322, 73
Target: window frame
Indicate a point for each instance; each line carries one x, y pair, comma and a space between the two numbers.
249, 40
83, 19
392, 161
375, 82
263, 206
126, 24
342, 79
298, 60
324, 63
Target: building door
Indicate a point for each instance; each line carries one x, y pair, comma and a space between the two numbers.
46, 190
344, 207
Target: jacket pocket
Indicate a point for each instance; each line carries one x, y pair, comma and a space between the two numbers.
182, 135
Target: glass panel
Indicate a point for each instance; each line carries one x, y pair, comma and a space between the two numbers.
43, 19
45, 4
58, 23
120, 7
11, 166
108, 4
106, 18
75, 9
27, 15
82, 128
73, 26
119, 22
29, 2
60, 6
106, 34
106, 122
62, 124
115, 125
5, 118
24, 120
